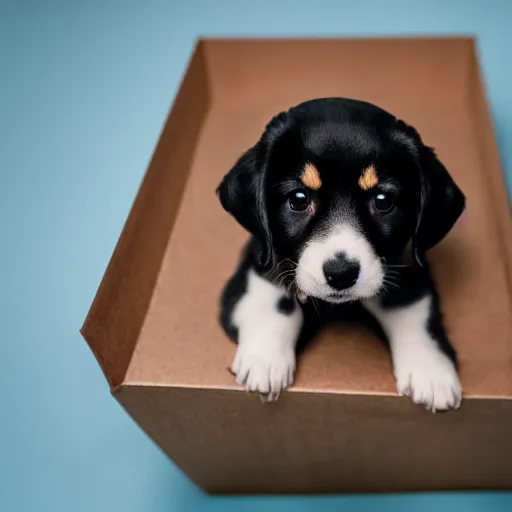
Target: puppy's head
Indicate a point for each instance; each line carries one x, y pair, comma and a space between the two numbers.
339, 187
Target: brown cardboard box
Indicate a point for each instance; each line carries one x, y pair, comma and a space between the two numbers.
153, 324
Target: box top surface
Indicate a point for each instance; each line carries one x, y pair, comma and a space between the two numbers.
174, 337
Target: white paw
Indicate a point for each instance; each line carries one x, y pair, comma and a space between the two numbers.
267, 373
429, 378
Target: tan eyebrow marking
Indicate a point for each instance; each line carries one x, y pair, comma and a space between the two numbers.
311, 177
368, 179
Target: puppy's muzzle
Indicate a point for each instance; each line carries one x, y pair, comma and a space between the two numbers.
339, 267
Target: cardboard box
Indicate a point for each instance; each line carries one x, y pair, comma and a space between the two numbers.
153, 324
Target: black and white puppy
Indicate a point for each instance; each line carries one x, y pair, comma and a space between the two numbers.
342, 200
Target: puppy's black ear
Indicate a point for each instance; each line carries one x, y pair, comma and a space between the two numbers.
242, 194
441, 200
441, 204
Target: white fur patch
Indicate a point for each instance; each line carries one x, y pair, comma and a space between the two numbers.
265, 357
310, 276
422, 370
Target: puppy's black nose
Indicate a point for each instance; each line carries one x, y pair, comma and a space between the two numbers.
340, 272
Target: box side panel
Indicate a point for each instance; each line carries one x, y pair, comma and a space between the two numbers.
117, 313
228, 442
491, 162
245, 70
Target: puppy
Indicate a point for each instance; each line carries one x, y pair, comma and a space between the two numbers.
342, 200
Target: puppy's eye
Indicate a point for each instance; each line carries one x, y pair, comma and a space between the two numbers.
299, 200
383, 203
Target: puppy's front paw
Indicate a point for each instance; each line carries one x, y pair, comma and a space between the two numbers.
429, 378
267, 373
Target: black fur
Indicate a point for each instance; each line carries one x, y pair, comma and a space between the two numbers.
286, 305
235, 289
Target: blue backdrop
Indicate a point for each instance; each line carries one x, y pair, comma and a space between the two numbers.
84, 89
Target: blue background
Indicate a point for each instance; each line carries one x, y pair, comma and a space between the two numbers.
85, 87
